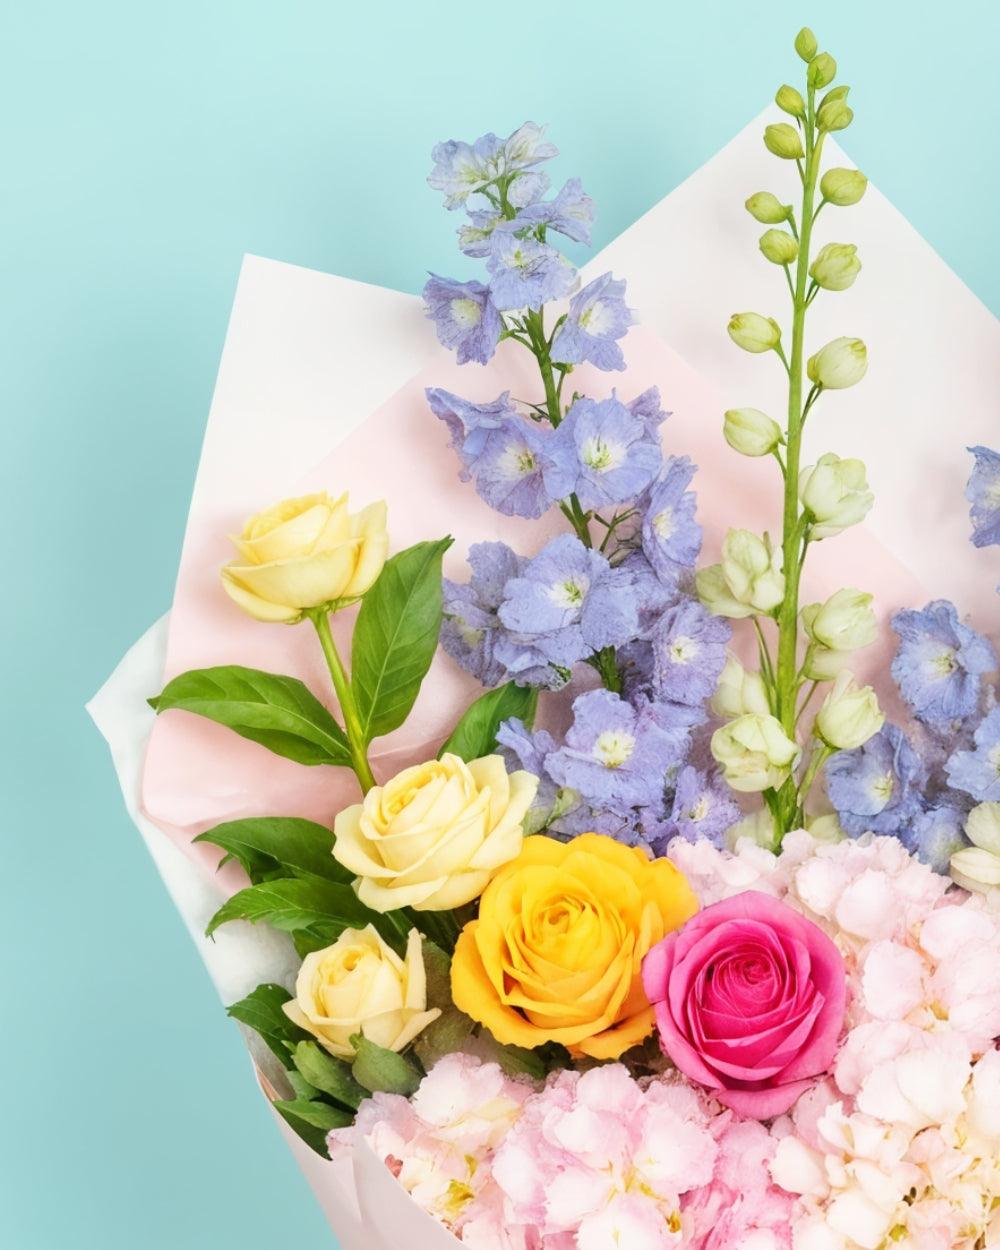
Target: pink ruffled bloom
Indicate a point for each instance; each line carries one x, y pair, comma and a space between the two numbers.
750, 999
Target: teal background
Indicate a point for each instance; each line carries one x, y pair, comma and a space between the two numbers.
145, 149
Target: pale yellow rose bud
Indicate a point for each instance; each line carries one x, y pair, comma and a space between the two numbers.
845, 622
837, 115
306, 553
768, 209
835, 494
836, 266
784, 140
805, 44
360, 985
739, 691
977, 867
751, 432
822, 71
850, 714
778, 247
841, 363
790, 101
754, 753
843, 187
753, 332
434, 836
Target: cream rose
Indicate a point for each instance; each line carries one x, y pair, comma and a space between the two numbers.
434, 836
360, 985
303, 553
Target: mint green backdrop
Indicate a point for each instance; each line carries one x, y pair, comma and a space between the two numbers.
145, 148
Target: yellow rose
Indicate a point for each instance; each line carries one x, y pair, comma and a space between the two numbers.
434, 836
303, 553
360, 985
556, 953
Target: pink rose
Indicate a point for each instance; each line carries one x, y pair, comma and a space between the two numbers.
750, 999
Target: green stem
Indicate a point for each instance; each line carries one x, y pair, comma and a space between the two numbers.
607, 666
345, 695
820, 754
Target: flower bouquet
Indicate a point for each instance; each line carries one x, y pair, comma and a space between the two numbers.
655, 944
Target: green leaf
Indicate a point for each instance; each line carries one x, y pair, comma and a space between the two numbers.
443, 1036
395, 637
313, 1120
270, 846
322, 907
278, 712
475, 734
378, 1069
331, 1076
261, 1011
514, 1060
301, 1086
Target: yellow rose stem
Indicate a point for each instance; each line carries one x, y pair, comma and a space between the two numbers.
345, 695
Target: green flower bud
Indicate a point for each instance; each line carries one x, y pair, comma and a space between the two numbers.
753, 332
805, 44
791, 101
845, 622
751, 432
836, 495
783, 140
835, 93
755, 753
843, 187
768, 209
850, 714
822, 71
836, 266
841, 363
834, 116
779, 247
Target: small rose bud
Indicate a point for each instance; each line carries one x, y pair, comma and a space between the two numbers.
834, 116
790, 101
783, 140
751, 432
836, 266
822, 71
753, 332
754, 752
843, 187
850, 714
779, 247
841, 363
805, 44
845, 622
739, 691
768, 209
835, 493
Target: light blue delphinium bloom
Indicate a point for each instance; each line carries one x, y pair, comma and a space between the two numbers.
616, 754
567, 604
877, 788
602, 453
977, 772
939, 663
463, 169
475, 238
525, 273
465, 317
526, 189
598, 316
649, 409
689, 652
509, 471
570, 213
983, 492
527, 146
471, 626
703, 806
935, 835
529, 749
469, 424
671, 537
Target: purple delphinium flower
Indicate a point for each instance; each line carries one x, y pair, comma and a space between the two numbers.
703, 806
939, 663
615, 753
650, 411
508, 472
471, 626
652, 594
598, 316
876, 788
983, 492
527, 188
525, 273
935, 835
567, 604
475, 238
462, 169
602, 453
527, 146
671, 537
469, 424
525, 748
465, 317
571, 213
689, 652
977, 772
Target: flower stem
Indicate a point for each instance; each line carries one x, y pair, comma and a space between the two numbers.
345, 696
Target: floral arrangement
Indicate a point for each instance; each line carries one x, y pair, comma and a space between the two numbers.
655, 951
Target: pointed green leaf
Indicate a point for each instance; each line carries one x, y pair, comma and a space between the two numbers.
262, 1012
396, 636
269, 846
331, 1076
313, 1120
322, 907
475, 735
279, 712
443, 1036
381, 1070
